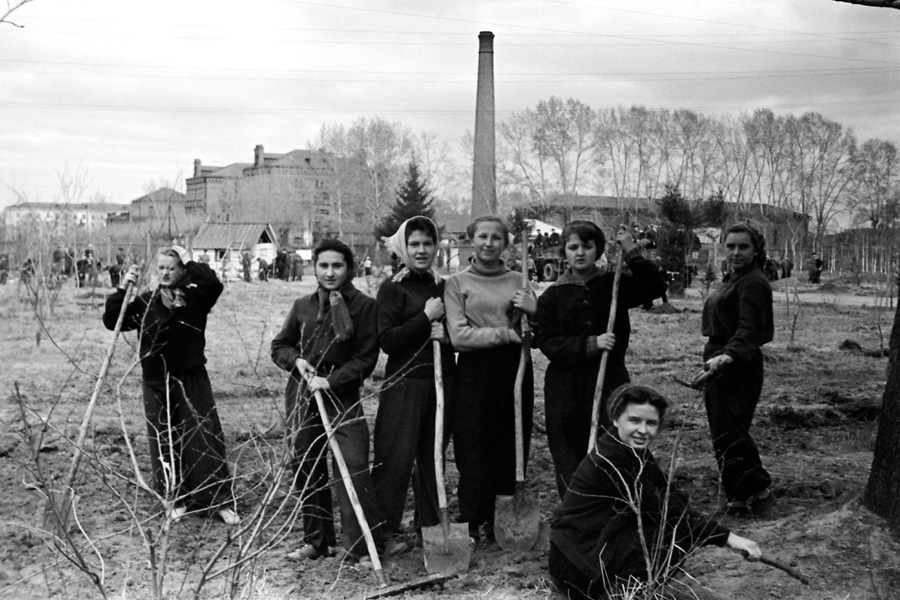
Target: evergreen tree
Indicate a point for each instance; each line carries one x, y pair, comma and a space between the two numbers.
677, 238
413, 199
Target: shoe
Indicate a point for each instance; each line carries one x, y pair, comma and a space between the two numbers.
397, 548
761, 505
228, 516
177, 513
365, 561
308, 552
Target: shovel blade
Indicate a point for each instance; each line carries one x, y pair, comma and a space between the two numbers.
517, 521
449, 559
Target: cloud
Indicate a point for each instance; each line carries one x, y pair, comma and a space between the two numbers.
134, 92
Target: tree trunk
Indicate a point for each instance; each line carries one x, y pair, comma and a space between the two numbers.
883, 491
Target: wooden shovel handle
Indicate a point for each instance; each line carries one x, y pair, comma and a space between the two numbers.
351, 491
439, 425
604, 358
520, 372
89, 411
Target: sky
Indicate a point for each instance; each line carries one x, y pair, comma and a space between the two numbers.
116, 96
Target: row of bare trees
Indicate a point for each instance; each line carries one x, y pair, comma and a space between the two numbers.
807, 164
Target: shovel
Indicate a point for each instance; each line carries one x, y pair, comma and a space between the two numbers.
351, 491
517, 518
446, 546
59, 509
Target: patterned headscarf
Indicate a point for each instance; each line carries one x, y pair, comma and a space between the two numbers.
397, 245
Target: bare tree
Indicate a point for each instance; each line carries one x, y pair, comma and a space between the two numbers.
10, 9
875, 3
381, 148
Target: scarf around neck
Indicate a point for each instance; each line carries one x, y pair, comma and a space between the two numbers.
396, 244
340, 314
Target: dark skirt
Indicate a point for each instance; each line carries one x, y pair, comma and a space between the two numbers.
184, 430
483, 422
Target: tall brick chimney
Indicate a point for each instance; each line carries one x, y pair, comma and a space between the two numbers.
259, 157
484, 171
198, 167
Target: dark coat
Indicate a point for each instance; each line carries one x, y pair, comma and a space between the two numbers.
404, 331
737, 317
172, 340
345, 364
596, 527
569, 311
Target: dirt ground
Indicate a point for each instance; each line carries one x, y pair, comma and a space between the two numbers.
815, 427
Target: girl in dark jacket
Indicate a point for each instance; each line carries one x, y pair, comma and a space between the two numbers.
737, 318
410, 315
329, 344
572, 317
620, 513
178, 398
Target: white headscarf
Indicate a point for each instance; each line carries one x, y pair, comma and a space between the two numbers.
397, 245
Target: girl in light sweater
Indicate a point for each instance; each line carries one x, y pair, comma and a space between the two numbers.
484, 307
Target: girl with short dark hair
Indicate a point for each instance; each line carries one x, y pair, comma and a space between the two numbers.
572, 317
620, 512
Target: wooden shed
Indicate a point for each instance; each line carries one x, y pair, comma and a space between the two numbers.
222, 244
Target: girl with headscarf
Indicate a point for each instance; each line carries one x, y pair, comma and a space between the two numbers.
178, 398
485, 304
410, 315
329, 344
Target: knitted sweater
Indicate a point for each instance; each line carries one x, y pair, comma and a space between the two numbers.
479, 307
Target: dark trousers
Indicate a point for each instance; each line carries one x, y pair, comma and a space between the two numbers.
404, 448
184, 431
731, 400
483, 422
311, 478
568, 406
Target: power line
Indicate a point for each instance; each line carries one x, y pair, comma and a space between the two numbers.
468, 74
369, 111
512, 78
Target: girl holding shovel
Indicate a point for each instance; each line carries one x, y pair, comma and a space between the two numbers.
484, 305
572, 318
410, 314
620, 513
737, 319
329, 344
178, 398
